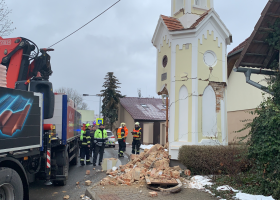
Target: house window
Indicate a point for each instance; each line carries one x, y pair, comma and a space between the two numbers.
179, 5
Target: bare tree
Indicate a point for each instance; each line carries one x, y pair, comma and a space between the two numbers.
5, 22
75, 96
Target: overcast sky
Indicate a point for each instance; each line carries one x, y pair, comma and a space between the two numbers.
118, 41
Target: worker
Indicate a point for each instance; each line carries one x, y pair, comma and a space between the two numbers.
100, 139
136, 138
92, 132
86, 143
122, 132
125, 137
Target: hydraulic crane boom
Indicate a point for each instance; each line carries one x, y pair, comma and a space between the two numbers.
20, 56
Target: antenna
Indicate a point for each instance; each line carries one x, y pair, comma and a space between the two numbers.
139, 92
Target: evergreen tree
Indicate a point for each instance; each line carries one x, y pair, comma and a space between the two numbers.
111, 99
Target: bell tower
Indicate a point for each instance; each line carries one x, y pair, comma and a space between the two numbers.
181, 7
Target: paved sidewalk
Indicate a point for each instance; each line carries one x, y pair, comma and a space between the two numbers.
98, 192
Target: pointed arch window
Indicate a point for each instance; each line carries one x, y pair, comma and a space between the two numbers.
183, 113
209, 116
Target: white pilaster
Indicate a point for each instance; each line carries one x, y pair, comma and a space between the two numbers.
224, 119
172, 94
172, 7
194, 92
188, 6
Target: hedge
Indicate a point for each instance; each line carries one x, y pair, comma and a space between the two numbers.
214, 160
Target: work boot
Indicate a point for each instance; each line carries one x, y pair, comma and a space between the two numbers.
89, 163
82, 164
100, 164
94, 164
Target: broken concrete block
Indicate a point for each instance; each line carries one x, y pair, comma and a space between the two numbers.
137, 172
109, 163
77, 183
82, 196
88, 172
88, 182
153, 194
66, 197
175, 174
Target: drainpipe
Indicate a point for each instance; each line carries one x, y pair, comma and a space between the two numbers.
248, 73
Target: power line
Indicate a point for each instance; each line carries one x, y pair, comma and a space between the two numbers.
85, 24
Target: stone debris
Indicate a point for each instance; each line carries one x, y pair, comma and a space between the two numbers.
88, 172
153, 194
151, 166
77, 183
66, 197
82, 196
88, 182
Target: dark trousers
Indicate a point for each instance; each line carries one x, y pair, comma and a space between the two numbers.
136, 146
84, 152
121, 147
98, 150
124, 148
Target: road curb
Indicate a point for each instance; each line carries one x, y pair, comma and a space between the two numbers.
90, 194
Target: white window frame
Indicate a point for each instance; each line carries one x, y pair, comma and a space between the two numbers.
201, 4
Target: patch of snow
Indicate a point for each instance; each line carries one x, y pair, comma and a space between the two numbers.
226, 187
146, 146
243, 196
199, 182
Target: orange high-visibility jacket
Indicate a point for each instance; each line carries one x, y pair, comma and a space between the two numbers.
122, 135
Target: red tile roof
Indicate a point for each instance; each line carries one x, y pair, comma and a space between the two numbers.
239, 47
152, 111
173, 24
200, 19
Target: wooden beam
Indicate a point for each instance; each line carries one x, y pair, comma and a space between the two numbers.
255, 54
268, 58
251, 64
258, 41
266, 29
273, 15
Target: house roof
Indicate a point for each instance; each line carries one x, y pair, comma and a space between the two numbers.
239, 48
173, 24
257, 53
144, 108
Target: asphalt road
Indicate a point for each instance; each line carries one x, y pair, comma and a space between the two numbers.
38, 191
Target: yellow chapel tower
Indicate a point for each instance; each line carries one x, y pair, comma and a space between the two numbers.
192, 70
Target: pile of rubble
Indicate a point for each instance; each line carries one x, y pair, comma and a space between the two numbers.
151, 165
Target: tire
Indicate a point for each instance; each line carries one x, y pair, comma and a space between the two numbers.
10, 184
62, 158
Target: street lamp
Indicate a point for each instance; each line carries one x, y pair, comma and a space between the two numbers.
97, 95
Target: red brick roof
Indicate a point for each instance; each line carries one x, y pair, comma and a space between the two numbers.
173, 24
144, 108
239, 47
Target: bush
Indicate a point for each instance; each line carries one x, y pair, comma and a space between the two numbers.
215, 160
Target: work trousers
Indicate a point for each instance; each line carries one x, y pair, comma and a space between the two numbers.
98, 150
136, 146
124, 146
121, 147
84, 152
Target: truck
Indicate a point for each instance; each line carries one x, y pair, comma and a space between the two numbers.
39, 129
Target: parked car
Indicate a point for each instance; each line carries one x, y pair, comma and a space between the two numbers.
111, 139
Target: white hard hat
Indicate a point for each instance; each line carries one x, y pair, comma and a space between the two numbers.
137, 123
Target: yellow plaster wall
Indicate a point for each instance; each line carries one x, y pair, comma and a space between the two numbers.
165, 50
174, 10
183, 66
241, 95
203, 74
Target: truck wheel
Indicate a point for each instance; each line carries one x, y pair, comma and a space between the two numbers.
10, 184
62, 170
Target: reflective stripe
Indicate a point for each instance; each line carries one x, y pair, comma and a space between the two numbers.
88, 142
88, 137
84, 143
82, 159
88, 160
